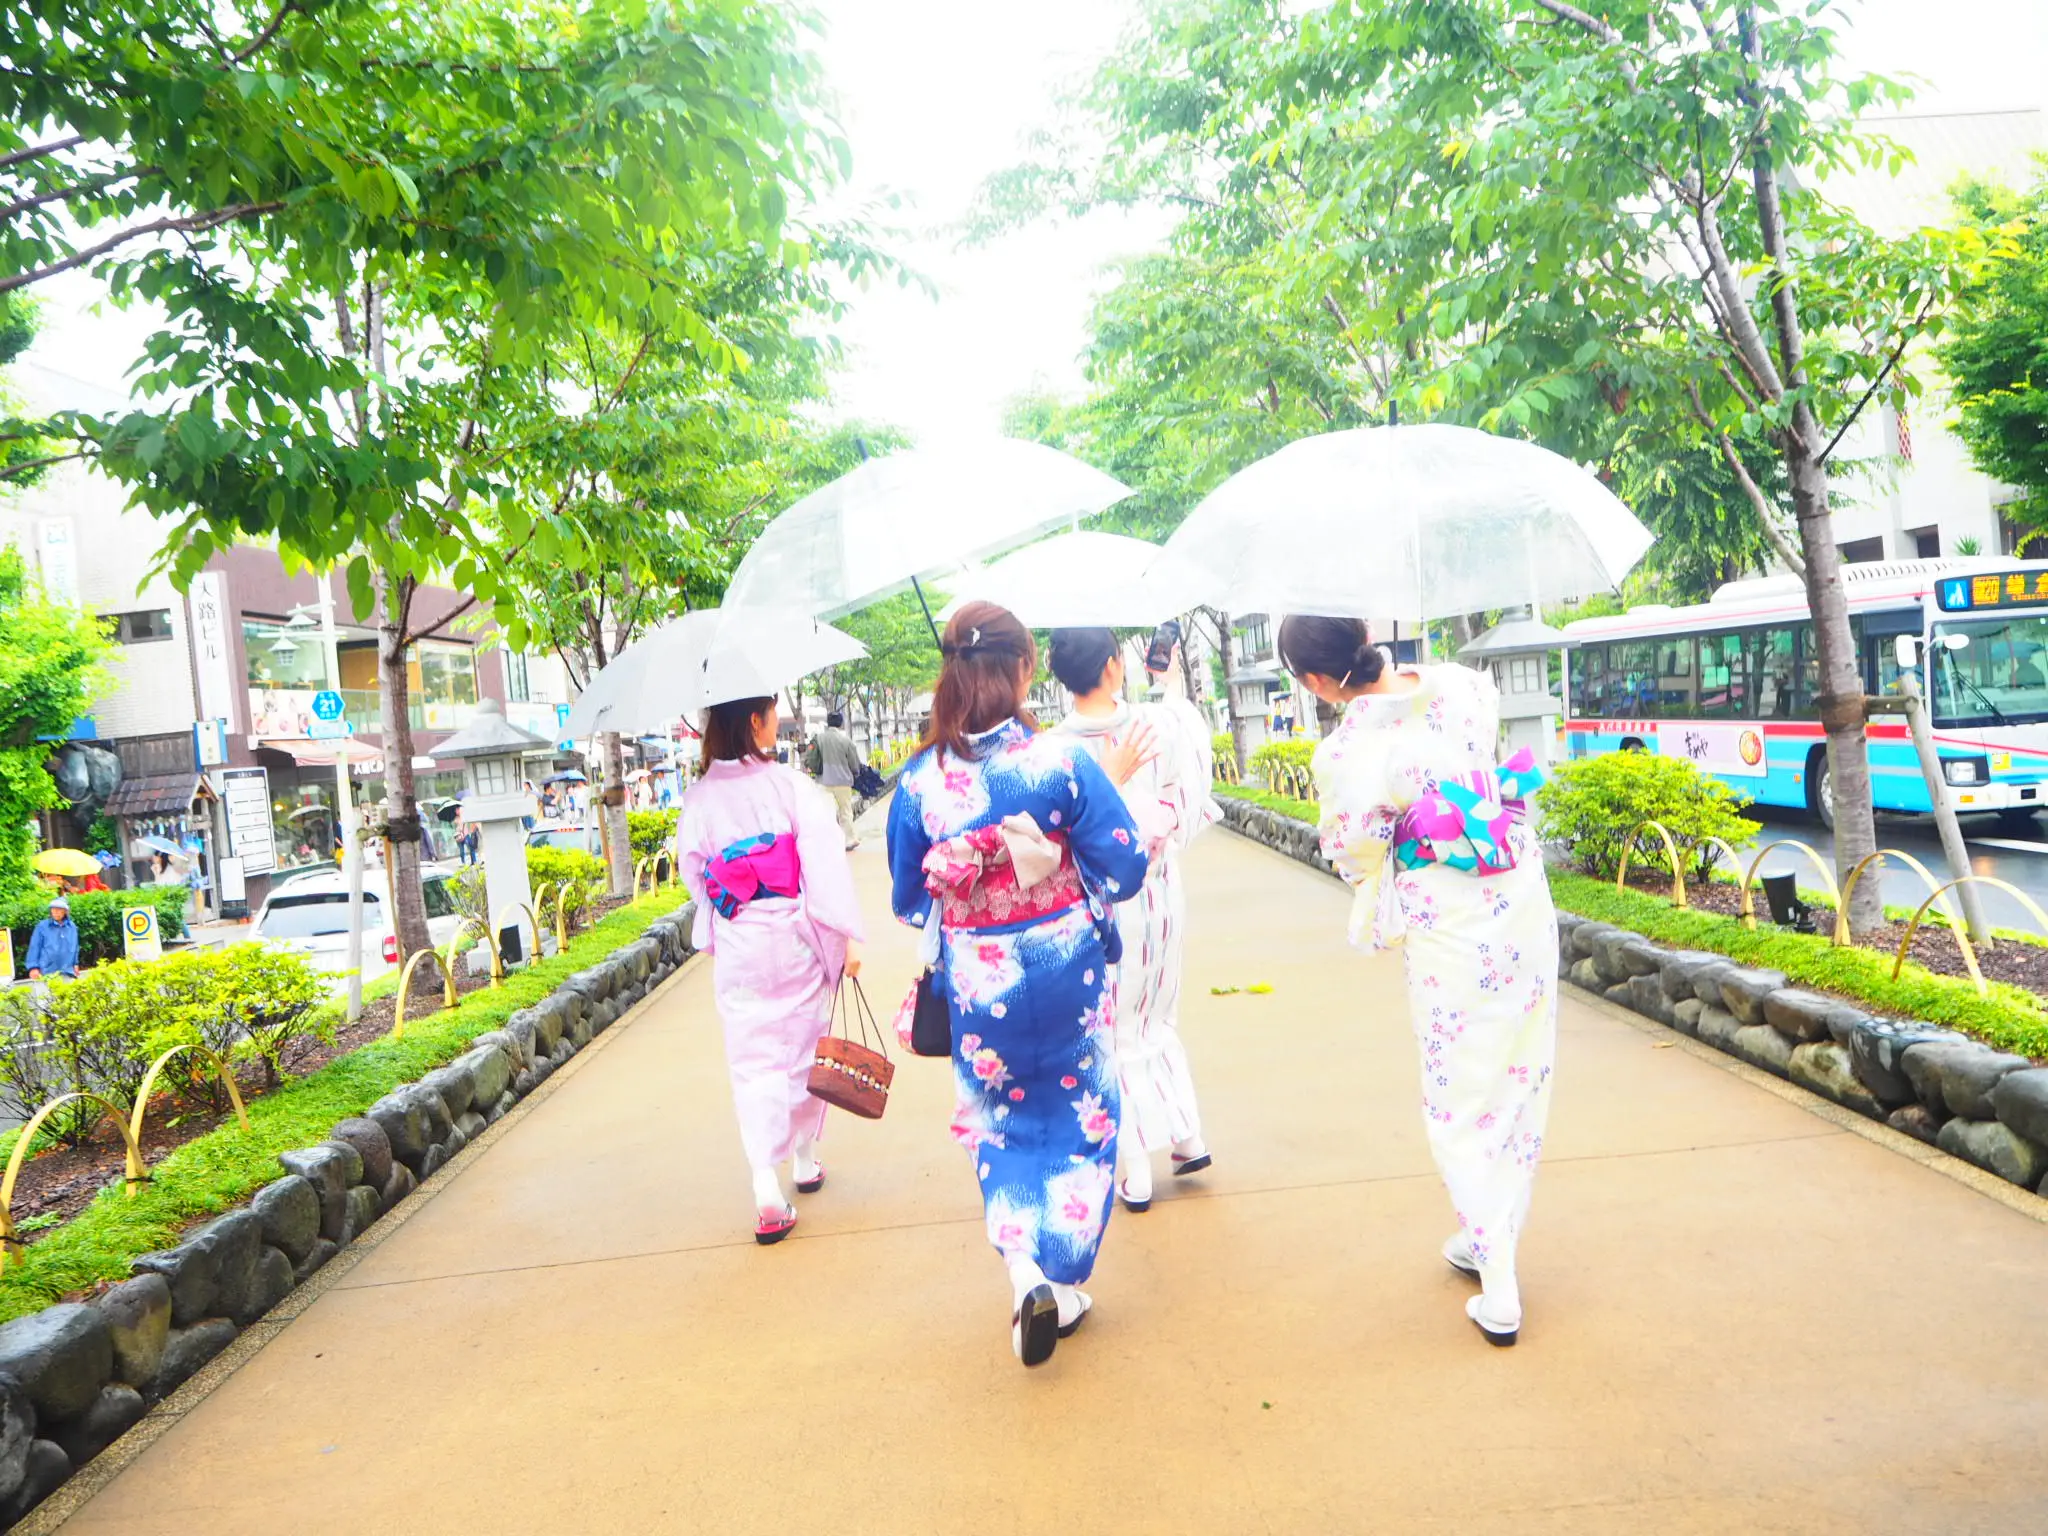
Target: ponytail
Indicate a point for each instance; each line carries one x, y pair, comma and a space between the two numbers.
989, 660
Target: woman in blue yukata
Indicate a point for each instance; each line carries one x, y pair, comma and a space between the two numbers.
1007, 848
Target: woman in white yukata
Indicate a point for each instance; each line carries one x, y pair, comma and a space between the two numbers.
1168, 798
760, 849
1425, 823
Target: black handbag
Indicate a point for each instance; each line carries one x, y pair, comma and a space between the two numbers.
925, 1021
867, 783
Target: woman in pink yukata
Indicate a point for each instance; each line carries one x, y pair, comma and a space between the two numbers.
760, 849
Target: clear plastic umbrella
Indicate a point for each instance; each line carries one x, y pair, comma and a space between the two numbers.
1422, 521
1086, 578
915, 516
705, 658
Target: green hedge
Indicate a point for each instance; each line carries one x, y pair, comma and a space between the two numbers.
1300, 810
98, 915
224, 1167
1295, 752
2010, 1018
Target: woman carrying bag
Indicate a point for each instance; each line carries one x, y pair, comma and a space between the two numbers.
1014, 844
759, 849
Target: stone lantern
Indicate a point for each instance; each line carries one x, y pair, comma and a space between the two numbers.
1517, 652
490, 748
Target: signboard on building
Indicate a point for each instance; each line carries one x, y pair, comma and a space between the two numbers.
327, 730
57, 560
245, 798
210, 742
212, 653
139, 937
1727, 751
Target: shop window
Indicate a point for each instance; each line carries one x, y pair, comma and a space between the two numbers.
280, 657
143, 627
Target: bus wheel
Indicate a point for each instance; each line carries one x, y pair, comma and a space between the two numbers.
1632, 745
1820, 786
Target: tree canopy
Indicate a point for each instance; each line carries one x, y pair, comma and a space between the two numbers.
51, 669
1996, 354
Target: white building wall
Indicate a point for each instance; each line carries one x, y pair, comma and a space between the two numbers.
89, 548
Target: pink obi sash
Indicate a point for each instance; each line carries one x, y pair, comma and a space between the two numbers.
1006, 872
753, 867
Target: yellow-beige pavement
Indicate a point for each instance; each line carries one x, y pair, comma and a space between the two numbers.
1743, 1314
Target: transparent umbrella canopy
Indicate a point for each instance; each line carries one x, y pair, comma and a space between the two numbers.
915, 516
1422, 521
1085, 579
706, 657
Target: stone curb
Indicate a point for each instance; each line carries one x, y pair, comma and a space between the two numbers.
40, 1356
1982, 1109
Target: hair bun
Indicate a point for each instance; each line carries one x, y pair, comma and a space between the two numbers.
1369, 663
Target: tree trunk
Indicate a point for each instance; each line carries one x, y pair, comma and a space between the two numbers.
401, 807
1841, 701
1224, 656
612, 807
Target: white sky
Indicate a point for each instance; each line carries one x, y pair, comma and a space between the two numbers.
936, 94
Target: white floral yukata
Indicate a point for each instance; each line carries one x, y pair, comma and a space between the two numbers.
1480, 949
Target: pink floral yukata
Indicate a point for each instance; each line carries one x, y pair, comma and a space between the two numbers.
777, 961
1480, 948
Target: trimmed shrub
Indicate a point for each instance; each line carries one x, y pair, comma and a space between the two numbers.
551, 866
648, 832
98, 915
1590, 809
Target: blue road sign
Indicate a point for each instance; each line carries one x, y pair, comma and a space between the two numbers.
327, 705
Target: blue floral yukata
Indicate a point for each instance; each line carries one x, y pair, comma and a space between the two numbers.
1017, 854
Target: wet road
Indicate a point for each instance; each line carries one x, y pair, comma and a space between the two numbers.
2021, 860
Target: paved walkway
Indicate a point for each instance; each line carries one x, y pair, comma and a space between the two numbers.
1743, 1317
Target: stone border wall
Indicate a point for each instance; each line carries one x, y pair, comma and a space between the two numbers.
76, 1376
1981, 1105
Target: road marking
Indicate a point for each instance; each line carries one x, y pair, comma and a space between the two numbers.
2012, 843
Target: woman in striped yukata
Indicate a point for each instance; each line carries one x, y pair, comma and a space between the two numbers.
1168, 798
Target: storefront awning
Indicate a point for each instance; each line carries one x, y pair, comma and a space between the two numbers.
165, 794
323, 752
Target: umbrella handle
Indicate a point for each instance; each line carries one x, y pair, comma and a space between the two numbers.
916, 587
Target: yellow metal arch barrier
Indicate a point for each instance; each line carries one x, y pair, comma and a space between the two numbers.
213, 1059
137, 1173
532, 917
463, 929
1226, 769
540, 908
1826, 874
1927, 877
1905, 944
405, 988
1678, 896
644, 867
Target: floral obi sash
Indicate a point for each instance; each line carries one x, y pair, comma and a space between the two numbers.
1467, 823
750, 868
1010, 871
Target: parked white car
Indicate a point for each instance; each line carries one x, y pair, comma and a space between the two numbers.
309, 914
566, 834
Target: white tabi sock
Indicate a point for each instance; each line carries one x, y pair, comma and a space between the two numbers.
804, 1161
768, 1195
1137, 1176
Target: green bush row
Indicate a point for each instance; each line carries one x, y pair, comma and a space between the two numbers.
100, 1033
1300, 810
98, 915
1289, 751
2010, 1018
224, 1167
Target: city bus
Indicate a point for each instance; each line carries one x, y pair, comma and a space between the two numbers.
1730, 683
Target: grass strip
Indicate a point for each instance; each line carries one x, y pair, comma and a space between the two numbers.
2009, 1018
221, 1169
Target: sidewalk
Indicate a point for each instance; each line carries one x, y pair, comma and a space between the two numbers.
1742, 1316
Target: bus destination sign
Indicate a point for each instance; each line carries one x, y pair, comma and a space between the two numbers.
1964, 594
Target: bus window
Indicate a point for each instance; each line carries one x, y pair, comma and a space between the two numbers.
1724, 678
1589, 681
1806, 674
1677, 698
1776, 657
1879, 653
1631, 680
